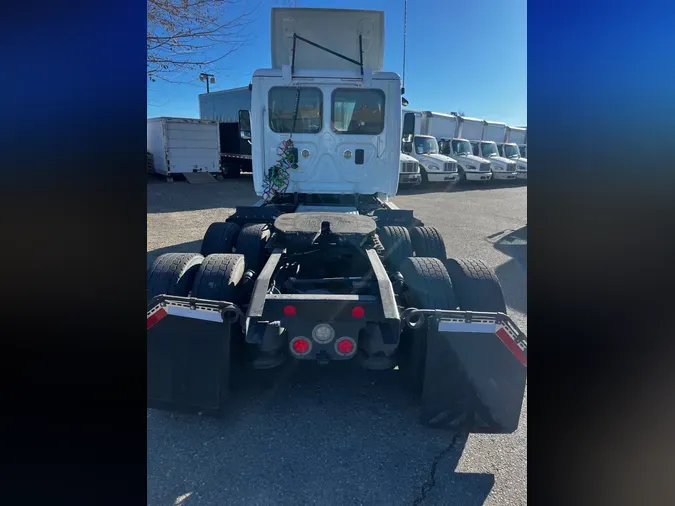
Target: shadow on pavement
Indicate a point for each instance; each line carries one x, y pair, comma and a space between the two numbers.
163, 197
336, 434
456, 188
513, 273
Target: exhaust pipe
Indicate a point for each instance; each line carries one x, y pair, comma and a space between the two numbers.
230, 314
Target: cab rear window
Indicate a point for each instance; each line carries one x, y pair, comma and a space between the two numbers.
358, 111
309, 116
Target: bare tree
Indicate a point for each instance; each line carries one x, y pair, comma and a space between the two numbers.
183, 35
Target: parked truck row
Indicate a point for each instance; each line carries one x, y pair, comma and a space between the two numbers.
481, 150
435, 147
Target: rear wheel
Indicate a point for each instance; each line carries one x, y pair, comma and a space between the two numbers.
428, 286
462, 175
172, 274
448, 398
427, 242
251, 243
219, 238
396, 243
218, 277
476, 285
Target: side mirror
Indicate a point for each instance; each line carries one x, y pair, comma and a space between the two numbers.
404, 102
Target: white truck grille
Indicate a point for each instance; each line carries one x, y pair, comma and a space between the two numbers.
511, 167
409, 167
449, 167
484, 167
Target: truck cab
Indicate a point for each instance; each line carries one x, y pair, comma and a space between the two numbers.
515, 138
502, 168
493, 132
445, 128
511, 151
321, 123
434, 166
409, 171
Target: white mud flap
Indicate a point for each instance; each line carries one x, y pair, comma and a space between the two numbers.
475, 372
188, 355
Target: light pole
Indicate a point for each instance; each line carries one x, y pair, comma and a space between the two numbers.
207, 78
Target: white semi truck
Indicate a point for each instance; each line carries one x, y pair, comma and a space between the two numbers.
434, 166
476, 130
445, 128
324, 268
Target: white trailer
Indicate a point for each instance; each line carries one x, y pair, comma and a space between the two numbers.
181, 145
470, 129
444, 128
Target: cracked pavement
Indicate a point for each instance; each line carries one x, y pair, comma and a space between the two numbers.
338, 434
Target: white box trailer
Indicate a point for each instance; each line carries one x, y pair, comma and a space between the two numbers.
516, 135
470, 129
494, 131
180, 145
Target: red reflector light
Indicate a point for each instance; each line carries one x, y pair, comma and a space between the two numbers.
301, 346
345, 346
289, 310
358, 312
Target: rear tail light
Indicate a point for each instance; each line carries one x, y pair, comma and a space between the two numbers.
345, 346
289, 310
358, 312
300, 345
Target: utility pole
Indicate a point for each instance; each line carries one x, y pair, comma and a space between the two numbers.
207, 78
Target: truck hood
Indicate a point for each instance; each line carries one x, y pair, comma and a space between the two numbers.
435, 159
473, 159
407, 158
500, 161
522, 162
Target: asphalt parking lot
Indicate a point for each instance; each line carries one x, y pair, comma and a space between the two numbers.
339, 435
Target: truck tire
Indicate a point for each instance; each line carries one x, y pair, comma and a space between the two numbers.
462, 174
476, 285
251, 243
172, 274
396, 243
423, 175
218, 277
219, 238
427, 242
428, 286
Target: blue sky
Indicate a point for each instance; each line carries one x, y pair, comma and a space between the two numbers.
460, 56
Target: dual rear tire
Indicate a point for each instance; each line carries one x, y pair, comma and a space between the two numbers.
447, 397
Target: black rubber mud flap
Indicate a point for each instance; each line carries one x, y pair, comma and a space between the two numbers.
188, 364
473, 381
